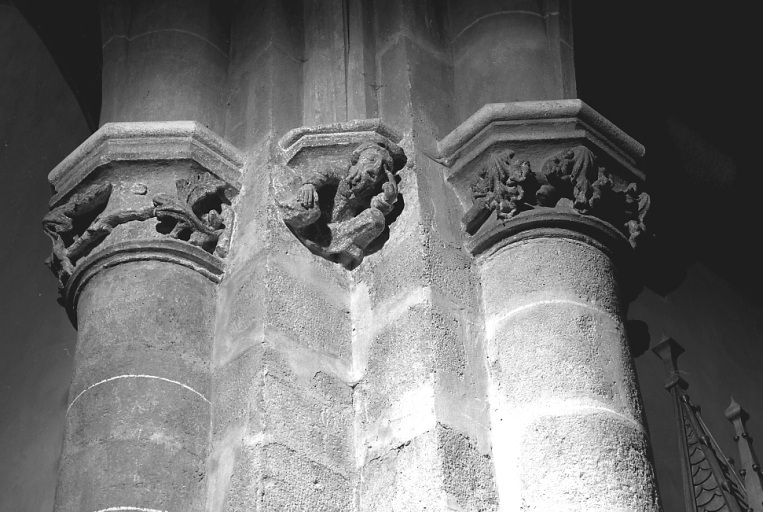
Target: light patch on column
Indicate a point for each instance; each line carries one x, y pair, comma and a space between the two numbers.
130, 509
134, 377
492, 324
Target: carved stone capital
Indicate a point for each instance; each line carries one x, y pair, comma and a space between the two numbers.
336, 186
546, 165
142, 191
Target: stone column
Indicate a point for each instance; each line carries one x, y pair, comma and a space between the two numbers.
554, 208
510, 50
165, 60
140, 225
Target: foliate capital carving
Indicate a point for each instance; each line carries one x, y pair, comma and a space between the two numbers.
142, 191
337, 186
539, 160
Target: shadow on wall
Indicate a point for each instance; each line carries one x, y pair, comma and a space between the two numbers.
721, 331
41, 123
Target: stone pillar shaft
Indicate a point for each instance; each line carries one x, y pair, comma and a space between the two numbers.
553, 212
165, 60
341, 365
138, 419
566, 419
140, 226
510, 50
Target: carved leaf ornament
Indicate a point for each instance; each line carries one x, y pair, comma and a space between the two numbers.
508, 186
199, 213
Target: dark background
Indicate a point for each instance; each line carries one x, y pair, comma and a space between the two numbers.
680, 77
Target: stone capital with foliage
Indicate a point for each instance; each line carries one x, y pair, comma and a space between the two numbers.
519, 166
141, 191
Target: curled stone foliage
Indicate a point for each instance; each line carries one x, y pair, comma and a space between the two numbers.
508, 186
199, 214
339, 210
504, 185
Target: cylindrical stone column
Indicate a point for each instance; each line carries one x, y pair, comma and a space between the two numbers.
567, 423
140, 223
554, 209
510, 50
138, 419
165, 60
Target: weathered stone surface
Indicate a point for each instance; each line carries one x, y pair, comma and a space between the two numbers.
338, 208
320, 430
311, 314
510, 50
554, 234
410, 338
507, 159
285, 336
108, 192
517, 46
467, 473
141, 219
398, 277
145, 318
564, 350
559, 344
301, 384
292, 482
139, 402
165, 61
600, 463
421, 22
405, 479
264, 81
325, 62
538, 272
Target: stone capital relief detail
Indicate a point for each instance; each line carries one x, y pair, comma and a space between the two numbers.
200, 214
550, 165
507, 185
132, 186
338, 205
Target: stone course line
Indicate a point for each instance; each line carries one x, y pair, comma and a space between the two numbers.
569, 409
133, 377
491, 325
179, 30
501, 13
130, 509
